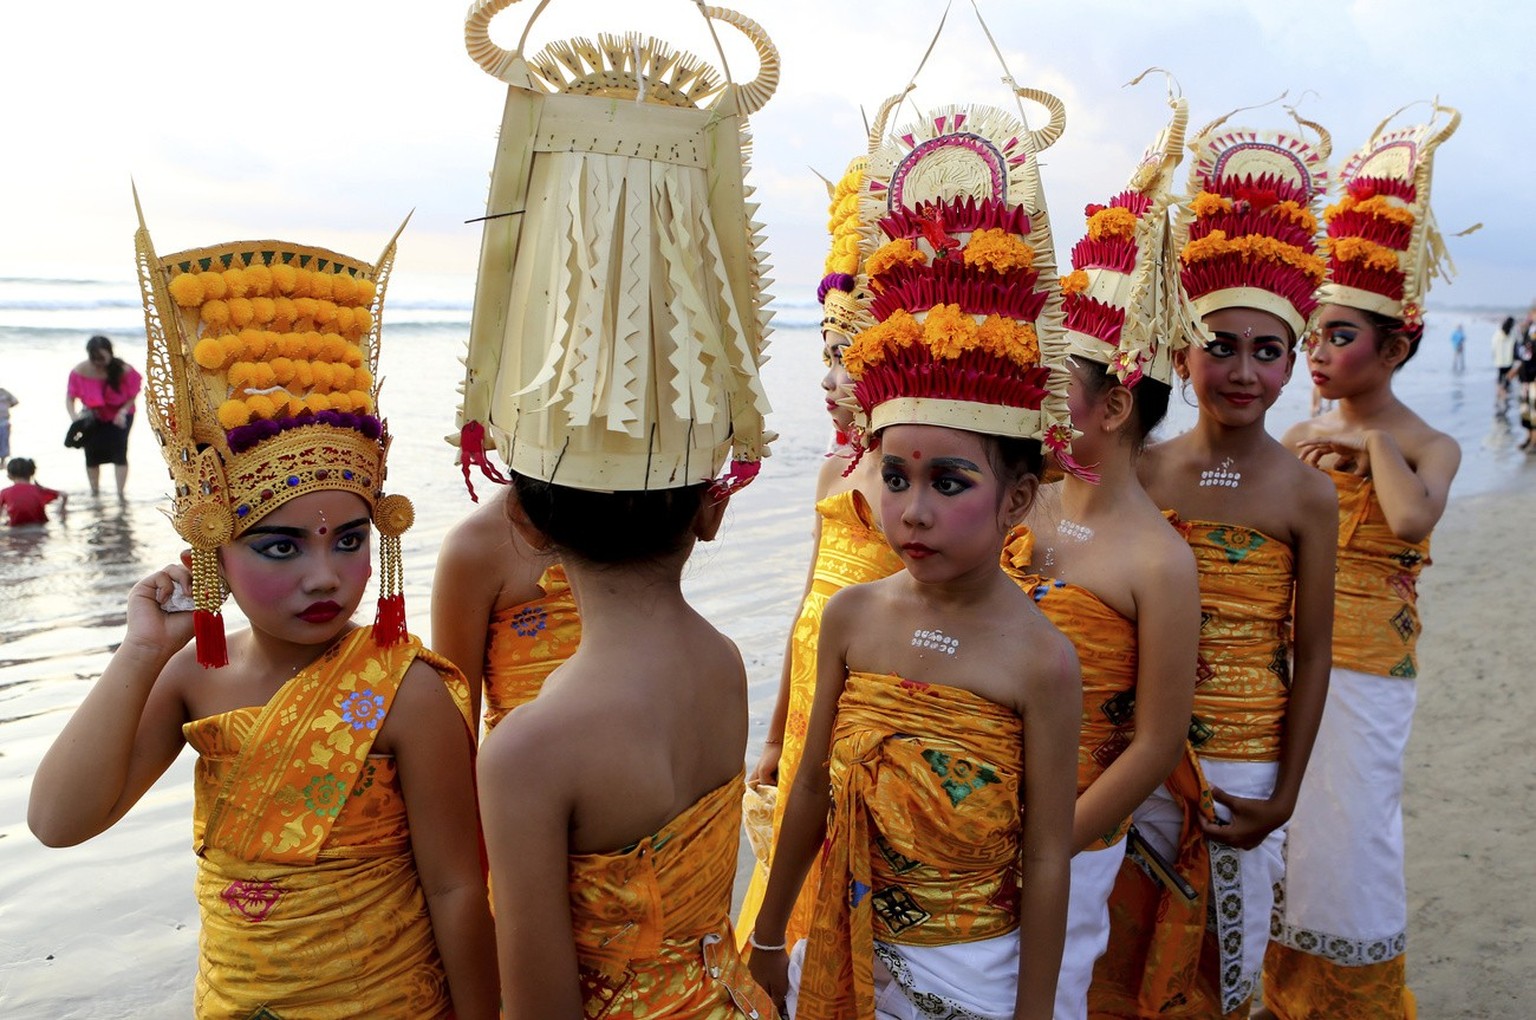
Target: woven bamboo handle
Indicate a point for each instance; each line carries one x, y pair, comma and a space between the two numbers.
756, 93
1044, 138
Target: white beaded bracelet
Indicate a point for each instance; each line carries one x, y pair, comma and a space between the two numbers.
752, 941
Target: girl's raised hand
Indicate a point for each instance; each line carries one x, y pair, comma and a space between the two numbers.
1349, 447
156, 622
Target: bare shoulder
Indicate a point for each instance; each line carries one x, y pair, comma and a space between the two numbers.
1052, 671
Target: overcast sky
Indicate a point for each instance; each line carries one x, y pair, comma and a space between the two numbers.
326, 122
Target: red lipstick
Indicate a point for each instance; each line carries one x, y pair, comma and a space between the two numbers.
320, 612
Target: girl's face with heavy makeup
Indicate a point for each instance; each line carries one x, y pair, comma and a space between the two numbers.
299, 572
1238, 376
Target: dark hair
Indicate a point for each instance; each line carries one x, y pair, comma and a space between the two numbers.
1387, 327
115, 365
21, 467
611, 528
1149, 398
1509, 325
1012, 458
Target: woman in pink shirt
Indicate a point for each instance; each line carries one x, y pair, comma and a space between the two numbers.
104, 386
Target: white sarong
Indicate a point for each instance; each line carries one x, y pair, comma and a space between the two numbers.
961, 981
1093, 876
1345, 898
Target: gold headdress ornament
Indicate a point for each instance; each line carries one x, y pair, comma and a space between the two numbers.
956, 243
261, 387
1383, 245
1122, 303
1247, 232
844, 305
620, 313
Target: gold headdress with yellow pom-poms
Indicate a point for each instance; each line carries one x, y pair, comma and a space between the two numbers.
261, 387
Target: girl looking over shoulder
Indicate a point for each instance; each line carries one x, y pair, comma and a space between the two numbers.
335, 818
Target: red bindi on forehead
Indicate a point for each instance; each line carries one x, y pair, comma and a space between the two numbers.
917, 454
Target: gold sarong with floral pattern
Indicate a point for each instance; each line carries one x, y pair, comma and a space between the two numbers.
524, 644
852, 550
1106, 651
652, 921
311, 906
1376, 597
1243, 674
922, 841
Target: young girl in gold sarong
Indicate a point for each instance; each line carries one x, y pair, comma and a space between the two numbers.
1262, 534
339, 871
1341, 928
1107, 569
613, 365
939, 765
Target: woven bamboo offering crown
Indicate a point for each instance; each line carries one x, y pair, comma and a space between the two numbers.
260, 388
620, 311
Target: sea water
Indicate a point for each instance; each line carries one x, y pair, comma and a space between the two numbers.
108, 929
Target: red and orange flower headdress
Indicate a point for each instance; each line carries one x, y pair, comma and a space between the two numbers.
957, 254
1383, 245
1247, 234
1123, 305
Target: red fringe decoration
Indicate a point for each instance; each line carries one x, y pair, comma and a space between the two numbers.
919, 288
389, 625
1362, 188
208, 630
974, 376
1251, 221
472, 451
1118, 255
958, 215
1135, 201
1268, 188
1386, 233
1224, 271
1092, 316
1387, 283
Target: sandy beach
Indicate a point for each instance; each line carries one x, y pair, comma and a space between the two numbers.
108, 930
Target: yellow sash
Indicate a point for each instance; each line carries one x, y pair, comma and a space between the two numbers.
1376, 597
1243, 675
923, 840
524, 644
1106, 650
652, 922
310, 902
852, 550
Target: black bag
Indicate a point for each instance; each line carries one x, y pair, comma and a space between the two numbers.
79, 429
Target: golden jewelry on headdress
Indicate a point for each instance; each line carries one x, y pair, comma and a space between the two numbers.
620, 314
1383, 245
1247, 232
1123, 305
956, 243
261, 387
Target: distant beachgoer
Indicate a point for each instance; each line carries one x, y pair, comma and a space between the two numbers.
106, 386
1525, 372
23, 501
1458, 349
1503, 363
6, 403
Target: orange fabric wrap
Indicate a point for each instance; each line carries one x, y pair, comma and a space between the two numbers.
1243, 676
923, 838
652, 922
1301, 986
1376, 597
1106, 651
524, 644
306, 883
